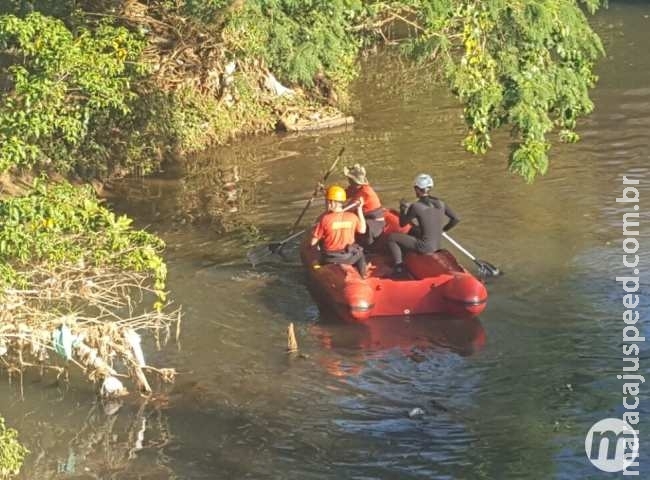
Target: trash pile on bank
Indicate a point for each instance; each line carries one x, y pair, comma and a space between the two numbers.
89, 320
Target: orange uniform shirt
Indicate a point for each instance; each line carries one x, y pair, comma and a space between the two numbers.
370, 199
336, 230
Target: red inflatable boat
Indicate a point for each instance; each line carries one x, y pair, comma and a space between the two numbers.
436, 283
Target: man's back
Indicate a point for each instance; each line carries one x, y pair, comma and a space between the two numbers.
336, 230
430, 216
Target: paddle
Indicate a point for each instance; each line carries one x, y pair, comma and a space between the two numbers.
485, 268
258, 254
317, 190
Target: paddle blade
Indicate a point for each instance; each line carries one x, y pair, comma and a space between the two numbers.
259, 254
486, 269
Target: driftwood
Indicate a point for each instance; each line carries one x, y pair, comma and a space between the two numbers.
303, 125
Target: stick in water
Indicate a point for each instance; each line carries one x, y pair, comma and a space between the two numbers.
292, 343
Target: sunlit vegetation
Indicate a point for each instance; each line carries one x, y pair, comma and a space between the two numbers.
63, 225
63, 87
77, 283
12, 452
523, 64
97, 88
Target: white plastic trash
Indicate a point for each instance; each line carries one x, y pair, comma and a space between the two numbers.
228, 73
271, 83
111, 387
134, 340
231, 66
416, 412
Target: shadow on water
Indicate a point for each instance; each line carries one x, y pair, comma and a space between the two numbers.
140, 438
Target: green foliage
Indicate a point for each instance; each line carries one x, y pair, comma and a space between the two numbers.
204, 9
61, 225
63, 81
12, 453
523, 64
298, 38
188, 120
526, 64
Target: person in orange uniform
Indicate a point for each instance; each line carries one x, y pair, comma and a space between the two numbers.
372, 210
335, 232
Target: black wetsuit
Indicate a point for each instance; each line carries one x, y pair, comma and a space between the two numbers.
425, 238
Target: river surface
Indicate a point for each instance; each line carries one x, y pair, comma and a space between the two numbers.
508, 396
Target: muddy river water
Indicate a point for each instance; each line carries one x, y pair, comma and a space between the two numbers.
507, 396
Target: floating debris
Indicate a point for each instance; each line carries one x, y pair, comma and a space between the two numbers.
112, 388
416, 413
292, 343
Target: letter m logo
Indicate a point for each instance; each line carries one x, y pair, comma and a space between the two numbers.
607, 445
606, 442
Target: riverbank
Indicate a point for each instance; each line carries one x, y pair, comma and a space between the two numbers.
122, 90
78, 289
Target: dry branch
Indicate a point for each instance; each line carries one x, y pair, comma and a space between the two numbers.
81, 317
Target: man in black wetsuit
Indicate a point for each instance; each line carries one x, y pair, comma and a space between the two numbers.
427, 214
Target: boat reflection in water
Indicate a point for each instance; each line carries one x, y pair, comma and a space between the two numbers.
414, 337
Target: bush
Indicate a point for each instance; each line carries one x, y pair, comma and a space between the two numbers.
60, 225
62, 83
523, 64
12, 453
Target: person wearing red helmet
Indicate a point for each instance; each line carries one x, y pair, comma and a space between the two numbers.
427, 216
372, 210
335, 232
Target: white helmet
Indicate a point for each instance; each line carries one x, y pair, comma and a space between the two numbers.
423, 181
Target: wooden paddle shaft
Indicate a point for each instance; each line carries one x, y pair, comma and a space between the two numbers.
317, 189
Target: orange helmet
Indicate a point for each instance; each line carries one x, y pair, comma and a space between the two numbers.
336, 193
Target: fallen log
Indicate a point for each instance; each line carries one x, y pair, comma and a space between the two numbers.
289, 124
